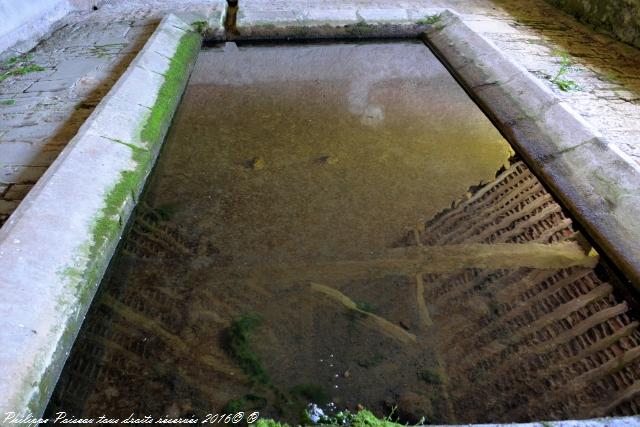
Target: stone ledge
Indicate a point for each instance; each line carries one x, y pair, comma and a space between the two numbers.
598, 184
56, 246
344, 23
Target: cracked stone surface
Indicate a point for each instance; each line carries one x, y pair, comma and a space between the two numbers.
82, 59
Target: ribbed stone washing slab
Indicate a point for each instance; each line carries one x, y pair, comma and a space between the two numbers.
594, 180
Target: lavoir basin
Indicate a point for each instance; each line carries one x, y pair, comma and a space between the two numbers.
339, 225
387, 218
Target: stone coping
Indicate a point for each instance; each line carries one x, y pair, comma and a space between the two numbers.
56, 246
350, 23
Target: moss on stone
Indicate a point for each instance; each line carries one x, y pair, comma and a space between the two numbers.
199, 26
162, 111
360, 29
92, 257
429, 19
17, 66
110, 221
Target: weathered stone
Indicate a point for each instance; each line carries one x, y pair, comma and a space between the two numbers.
335, 16
592, 178
51, 85
267, 17
47, 237
383, 15
618, 17
73, 69
31, 132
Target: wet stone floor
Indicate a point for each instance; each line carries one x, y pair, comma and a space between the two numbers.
339, 224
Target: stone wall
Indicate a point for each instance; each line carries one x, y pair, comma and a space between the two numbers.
24, 22
620, 18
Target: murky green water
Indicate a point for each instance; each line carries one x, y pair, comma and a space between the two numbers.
257, 274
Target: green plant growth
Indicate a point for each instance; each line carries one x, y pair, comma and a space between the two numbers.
109, 222
8, 102
365, 306
17, 66
559, 79
270, 423
362, 418
199, 26
429, 20
240, 348
360, 29
430, 376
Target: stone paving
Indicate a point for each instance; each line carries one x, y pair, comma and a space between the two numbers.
41, 111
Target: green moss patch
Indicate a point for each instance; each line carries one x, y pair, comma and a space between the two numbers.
362, 418
430, 376
429, 19
18, 66
109, 222
170, 91
239, 336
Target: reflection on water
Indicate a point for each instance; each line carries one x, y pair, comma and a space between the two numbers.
316, 232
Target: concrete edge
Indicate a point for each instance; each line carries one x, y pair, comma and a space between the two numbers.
333, 23
55, 247
595, 181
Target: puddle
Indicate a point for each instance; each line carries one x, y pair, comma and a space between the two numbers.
316, 231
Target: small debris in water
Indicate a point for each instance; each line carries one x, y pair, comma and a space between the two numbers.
315, 412
257, 163
326, 160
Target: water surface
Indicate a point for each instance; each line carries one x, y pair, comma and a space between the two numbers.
256, 274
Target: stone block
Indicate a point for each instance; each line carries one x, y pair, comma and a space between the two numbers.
384, 15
